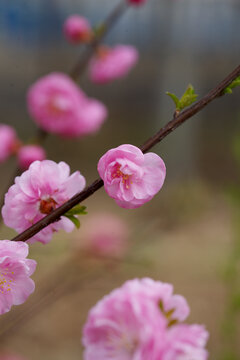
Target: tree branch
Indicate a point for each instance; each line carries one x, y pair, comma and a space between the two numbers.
159, 136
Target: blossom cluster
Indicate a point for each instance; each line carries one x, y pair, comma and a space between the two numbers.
142, 320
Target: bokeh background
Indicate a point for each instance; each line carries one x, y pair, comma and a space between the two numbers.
185, 235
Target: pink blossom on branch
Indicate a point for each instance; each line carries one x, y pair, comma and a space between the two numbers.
128, 324
15, 272
30, 153
8, 142
59, 106
77, 29
112, 63
37, 192
130, 177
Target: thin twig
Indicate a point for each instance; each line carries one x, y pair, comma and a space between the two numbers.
159, 136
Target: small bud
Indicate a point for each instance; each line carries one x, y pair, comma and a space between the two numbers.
77, 29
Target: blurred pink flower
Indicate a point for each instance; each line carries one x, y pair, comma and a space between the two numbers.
8, 141
128, 324
37, 192
186, 342
30, 153
59, 106
104, 235
130, 177
15, 272
110, 64
162, 294
123, 326
136, 2
77, 29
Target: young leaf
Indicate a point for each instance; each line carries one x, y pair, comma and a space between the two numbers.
174, 98
74, 219
187, 98
77, 210
235, 83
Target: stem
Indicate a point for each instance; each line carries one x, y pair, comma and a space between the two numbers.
159, 136
105, 27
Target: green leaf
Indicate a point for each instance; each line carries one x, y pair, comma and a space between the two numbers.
174, 98
235, 83
187, 98
77, 210
74, 219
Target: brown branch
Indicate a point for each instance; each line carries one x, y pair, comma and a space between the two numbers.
159, 136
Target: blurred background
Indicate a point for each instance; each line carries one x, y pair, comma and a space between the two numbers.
187, 234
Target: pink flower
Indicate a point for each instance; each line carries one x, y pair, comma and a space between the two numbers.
15, 272
136, 2
57, 105
186, 342
37, 192
110, 64
174, 306
77, 29
123, 326
130, 177
30, 153
103, 235
129, 324
8, 141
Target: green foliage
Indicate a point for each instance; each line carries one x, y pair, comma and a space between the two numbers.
235, 83
186, 100
72, 214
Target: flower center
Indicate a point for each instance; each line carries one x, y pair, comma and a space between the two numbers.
122, 344
5, 283
57, 105
47, 206
119, 174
